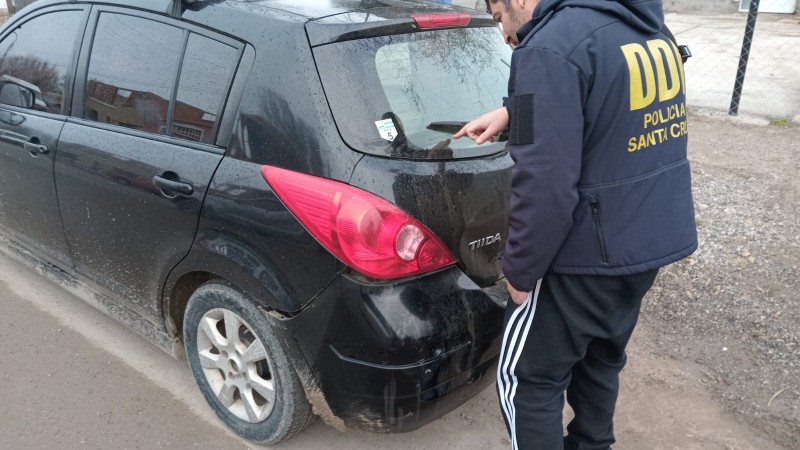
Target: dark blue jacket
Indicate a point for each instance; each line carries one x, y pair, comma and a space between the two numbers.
601, 184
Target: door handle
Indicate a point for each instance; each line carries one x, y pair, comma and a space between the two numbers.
36, 149
177, 187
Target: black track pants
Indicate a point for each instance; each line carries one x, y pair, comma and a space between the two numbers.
570, 335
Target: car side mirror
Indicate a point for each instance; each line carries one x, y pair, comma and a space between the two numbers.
14, 94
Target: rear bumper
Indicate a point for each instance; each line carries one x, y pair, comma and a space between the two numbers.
404, 398
395, 357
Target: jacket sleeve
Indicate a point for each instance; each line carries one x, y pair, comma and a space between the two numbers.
545, 142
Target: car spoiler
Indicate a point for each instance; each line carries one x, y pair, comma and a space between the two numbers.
362, 25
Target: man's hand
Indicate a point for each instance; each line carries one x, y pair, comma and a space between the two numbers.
517, 296
486, 126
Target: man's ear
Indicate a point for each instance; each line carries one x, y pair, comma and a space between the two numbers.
525, 5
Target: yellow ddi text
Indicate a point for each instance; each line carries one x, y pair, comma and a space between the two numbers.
655, 71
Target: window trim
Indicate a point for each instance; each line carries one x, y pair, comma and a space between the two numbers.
233, 100
118, 129
69, 74
82, 69
176, 83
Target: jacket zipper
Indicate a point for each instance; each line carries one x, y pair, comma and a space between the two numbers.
598, 228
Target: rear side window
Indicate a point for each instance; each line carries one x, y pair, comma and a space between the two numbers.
35, 59
405, 95
207, 69
132, 72
134, 67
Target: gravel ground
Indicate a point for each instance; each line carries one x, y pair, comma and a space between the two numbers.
731, 310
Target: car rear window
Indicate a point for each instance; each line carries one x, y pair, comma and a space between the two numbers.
405, 95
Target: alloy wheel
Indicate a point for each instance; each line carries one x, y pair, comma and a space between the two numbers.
236, 365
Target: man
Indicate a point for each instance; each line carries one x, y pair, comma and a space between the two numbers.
600, 200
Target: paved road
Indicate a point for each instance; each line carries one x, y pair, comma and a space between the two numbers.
60, 388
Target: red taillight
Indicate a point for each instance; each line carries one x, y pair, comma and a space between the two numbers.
442, 20
366, 232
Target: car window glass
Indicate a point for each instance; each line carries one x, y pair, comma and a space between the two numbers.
132, 70
34, 60
442, 77
406, 95
205, 75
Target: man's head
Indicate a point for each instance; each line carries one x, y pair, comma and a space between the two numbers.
511, 15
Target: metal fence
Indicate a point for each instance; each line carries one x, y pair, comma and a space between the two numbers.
723, 35
744, 62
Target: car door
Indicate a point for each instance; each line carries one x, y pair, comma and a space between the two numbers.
140, 149
37, 56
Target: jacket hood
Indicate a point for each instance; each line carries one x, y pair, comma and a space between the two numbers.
645, 15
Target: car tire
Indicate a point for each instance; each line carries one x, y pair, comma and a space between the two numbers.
248, 381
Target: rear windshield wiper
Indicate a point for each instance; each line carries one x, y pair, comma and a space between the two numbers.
451, 127
454, 127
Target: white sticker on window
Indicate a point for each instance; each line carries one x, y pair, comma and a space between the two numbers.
386, 129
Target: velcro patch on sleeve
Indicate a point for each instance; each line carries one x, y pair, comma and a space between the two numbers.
521, 129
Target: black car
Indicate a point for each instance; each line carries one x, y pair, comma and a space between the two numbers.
269, 188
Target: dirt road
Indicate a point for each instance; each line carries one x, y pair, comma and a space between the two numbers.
731, 310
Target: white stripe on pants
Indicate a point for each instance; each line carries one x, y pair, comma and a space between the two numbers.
518, 327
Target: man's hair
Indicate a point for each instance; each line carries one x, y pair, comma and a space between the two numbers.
490, 2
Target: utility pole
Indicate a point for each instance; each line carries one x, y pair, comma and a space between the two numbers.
10, 6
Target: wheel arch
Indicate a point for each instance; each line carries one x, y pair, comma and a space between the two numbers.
184, 282
241, 268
